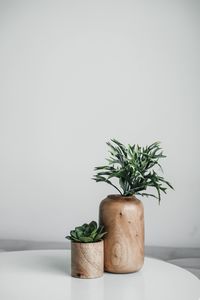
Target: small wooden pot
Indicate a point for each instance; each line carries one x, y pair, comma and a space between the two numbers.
87, 259
123, 220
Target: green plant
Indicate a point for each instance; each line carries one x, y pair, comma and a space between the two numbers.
135, 168
87, 233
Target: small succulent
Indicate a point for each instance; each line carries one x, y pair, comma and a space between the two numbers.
87, 233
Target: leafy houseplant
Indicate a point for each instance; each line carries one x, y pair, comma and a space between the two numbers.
131, 170
87, 250
134, 167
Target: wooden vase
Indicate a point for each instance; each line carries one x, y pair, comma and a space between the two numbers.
87, 260
123, 220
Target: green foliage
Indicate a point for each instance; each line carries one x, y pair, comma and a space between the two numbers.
87, 233
134, 167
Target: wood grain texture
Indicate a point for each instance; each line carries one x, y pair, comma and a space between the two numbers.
123, 219
87, 259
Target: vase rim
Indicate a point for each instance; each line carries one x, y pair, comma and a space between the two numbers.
118, 196
87, 242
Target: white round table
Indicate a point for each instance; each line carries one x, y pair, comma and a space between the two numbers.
45, 275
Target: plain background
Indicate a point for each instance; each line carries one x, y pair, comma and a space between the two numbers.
74, 74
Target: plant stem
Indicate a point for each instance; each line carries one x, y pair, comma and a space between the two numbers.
114, 187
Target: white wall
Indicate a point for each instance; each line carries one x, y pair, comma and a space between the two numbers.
75, 74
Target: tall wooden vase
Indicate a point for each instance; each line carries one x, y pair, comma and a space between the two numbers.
123, 219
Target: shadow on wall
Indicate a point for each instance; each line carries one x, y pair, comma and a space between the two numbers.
165, 253
187, 258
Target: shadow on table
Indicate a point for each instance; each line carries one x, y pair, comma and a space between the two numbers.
47, 262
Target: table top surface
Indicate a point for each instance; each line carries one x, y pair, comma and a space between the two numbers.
45, 274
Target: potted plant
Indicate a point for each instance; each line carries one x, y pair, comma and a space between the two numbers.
134, 169
87, 255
